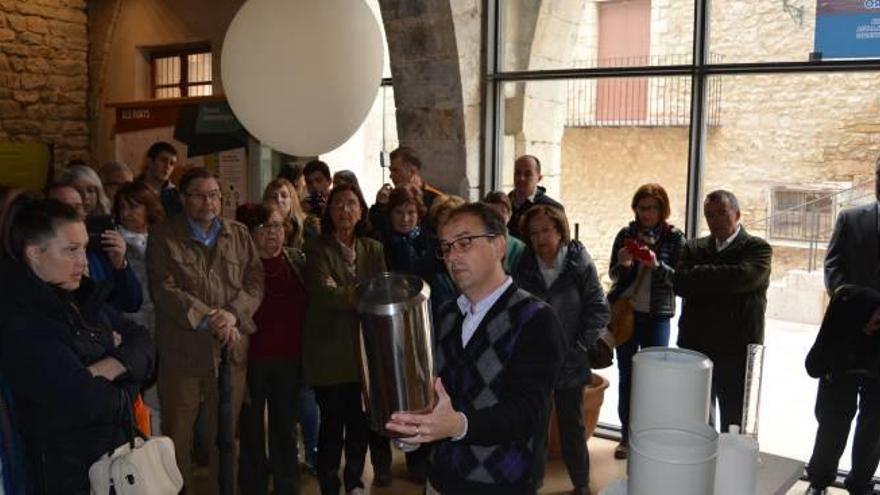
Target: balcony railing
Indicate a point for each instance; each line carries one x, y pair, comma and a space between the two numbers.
639, 101
812, 221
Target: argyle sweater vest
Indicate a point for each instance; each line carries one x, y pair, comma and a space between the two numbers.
475, 376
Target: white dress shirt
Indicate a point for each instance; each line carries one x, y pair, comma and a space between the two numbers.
721, 246
474, 313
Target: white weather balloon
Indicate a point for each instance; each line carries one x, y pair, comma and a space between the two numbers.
301, 75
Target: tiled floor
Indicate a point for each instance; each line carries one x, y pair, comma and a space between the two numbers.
603, 471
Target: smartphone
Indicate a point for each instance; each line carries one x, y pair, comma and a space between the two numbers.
638, 249
97, 225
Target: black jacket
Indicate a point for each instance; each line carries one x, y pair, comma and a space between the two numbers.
852, 256
541, 198
501, 380
725, 294
577, 298
841, 348
668, 249
67, 417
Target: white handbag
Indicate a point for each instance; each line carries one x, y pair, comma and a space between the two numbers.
138, 467
148, 468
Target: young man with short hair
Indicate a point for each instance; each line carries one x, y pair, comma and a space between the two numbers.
161, 161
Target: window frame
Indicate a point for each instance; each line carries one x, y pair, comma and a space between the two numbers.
181, 52
702, 67
776, 233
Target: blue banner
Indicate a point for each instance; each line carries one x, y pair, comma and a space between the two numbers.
847, 29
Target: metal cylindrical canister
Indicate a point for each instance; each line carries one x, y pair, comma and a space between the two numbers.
670, 389
396, 355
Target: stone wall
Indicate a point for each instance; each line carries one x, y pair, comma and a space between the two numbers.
43, 75
602, 168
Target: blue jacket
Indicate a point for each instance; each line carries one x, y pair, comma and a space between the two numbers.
124, 289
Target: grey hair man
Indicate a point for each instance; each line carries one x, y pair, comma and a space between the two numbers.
723, 279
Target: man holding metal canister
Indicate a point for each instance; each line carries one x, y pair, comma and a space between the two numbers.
498, 350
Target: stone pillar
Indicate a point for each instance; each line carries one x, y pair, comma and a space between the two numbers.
432, 100
535, 112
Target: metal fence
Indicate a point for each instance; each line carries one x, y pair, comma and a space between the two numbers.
638, 101
812, 220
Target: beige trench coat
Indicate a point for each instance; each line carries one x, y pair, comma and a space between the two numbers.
187, 280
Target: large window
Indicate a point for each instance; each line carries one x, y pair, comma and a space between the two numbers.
758, 97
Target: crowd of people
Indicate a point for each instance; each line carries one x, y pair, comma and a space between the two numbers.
118, 288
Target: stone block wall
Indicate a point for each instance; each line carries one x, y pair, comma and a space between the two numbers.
43, 75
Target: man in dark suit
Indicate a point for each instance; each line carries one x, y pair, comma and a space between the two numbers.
723, 280
853, 257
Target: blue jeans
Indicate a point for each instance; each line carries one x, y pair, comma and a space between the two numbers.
309, 420
648, 331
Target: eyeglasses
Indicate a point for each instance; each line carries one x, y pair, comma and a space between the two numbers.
462, 244
270, 226
214, 195
648, 208
346, 205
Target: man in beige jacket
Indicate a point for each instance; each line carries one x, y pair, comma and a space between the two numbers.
206, 281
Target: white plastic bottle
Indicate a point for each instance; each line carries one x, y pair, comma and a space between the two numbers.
736, 471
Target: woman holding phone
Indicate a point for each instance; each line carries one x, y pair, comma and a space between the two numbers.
643, 259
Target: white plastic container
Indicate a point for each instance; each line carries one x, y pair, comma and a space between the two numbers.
667, 461
670, 389
736, 469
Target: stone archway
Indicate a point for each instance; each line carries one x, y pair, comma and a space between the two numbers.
435, 47
534, 112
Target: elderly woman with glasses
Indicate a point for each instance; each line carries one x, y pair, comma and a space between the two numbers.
340, 258
273, 358
559, 270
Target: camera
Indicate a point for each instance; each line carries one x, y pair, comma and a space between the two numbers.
316, 203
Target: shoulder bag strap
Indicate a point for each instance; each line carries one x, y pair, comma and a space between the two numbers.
124, 419
640, 278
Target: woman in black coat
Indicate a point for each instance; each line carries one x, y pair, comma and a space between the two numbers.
559, 270
643, 260
72, 362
